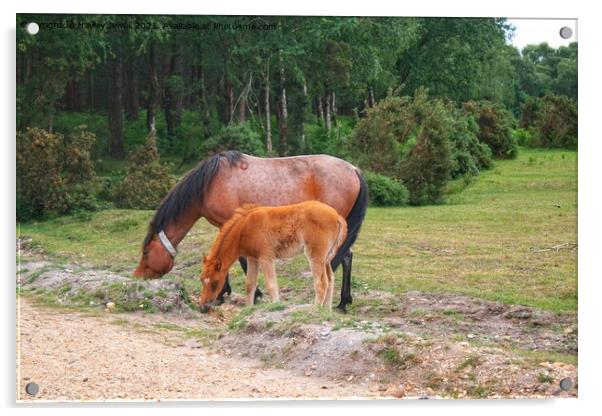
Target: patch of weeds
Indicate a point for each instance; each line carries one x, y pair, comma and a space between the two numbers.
272, 306
23, 270
169, 326
545, 378
121, 225
390, 355
34, 276
64, 289
472, 361
433, 380
205, 335
479, 391
239, 322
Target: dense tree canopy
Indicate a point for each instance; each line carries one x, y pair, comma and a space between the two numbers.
274, 85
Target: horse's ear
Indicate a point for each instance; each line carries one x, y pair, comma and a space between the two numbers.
218, 265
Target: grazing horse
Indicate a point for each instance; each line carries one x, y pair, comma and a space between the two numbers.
263, 234
224, 182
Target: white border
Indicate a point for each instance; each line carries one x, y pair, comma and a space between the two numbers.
590, 152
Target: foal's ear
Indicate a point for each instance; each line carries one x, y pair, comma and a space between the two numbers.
218, 265
204, 258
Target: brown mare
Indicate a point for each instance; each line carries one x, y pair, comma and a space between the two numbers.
263, 234
224, 182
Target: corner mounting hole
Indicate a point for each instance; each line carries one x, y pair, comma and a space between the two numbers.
566, 32
32, 28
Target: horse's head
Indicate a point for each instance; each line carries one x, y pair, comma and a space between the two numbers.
213, 278
156, 260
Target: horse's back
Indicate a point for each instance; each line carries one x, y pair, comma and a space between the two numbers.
283, 181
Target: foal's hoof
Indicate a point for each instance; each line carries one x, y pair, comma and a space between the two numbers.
218, 301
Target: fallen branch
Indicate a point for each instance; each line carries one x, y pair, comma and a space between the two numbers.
557, 247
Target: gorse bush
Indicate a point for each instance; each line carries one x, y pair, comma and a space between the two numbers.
408, 139
495, 128
551, 121
55, 174
235, 137
147, 180
384, 191
468, 154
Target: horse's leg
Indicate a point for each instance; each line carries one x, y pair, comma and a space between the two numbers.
271, 282
225, 290
251, 282
346, 298
243, 264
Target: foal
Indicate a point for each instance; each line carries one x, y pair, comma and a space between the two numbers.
263, 234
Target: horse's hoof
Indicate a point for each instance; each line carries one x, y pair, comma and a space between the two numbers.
342, 308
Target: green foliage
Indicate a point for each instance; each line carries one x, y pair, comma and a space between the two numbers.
551, 121
523, 137
235, 137
384, 191
469, 155
495, 128
147, 180
407, 138
55, 175
318, 141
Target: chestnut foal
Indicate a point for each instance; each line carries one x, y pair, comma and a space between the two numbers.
263, 234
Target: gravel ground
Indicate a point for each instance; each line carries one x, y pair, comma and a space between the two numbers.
76, 357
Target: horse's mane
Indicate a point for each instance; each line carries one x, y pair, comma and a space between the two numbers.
227, 227
189, 190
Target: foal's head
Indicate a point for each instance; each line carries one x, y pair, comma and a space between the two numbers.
213, 278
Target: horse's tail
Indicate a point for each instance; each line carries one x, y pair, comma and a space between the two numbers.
354, 222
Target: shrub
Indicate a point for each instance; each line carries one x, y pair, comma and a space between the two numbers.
236, 137
147, 180
407, 138
384, 191
468, 154
523, 137
495, 128
55, 175
552, 121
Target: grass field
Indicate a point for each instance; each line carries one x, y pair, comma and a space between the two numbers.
492, 239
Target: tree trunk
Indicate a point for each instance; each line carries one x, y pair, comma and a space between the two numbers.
173, 99
266, 103
303, 140
320, 110
328, 114
282, 113
131, 103
243, 101
203, 104
153, 90
115, 108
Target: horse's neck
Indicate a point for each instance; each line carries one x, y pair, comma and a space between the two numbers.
227, 246
178, 230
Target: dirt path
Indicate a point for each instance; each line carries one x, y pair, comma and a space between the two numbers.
73, 356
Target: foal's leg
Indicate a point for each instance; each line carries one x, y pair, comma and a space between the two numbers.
330, 290
243, 265
320, 282
251, 282
271, 283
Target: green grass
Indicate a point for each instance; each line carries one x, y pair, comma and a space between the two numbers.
481, 242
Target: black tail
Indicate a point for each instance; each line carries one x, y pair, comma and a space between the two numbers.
354, 222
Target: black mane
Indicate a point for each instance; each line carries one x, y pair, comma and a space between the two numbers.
190, 189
